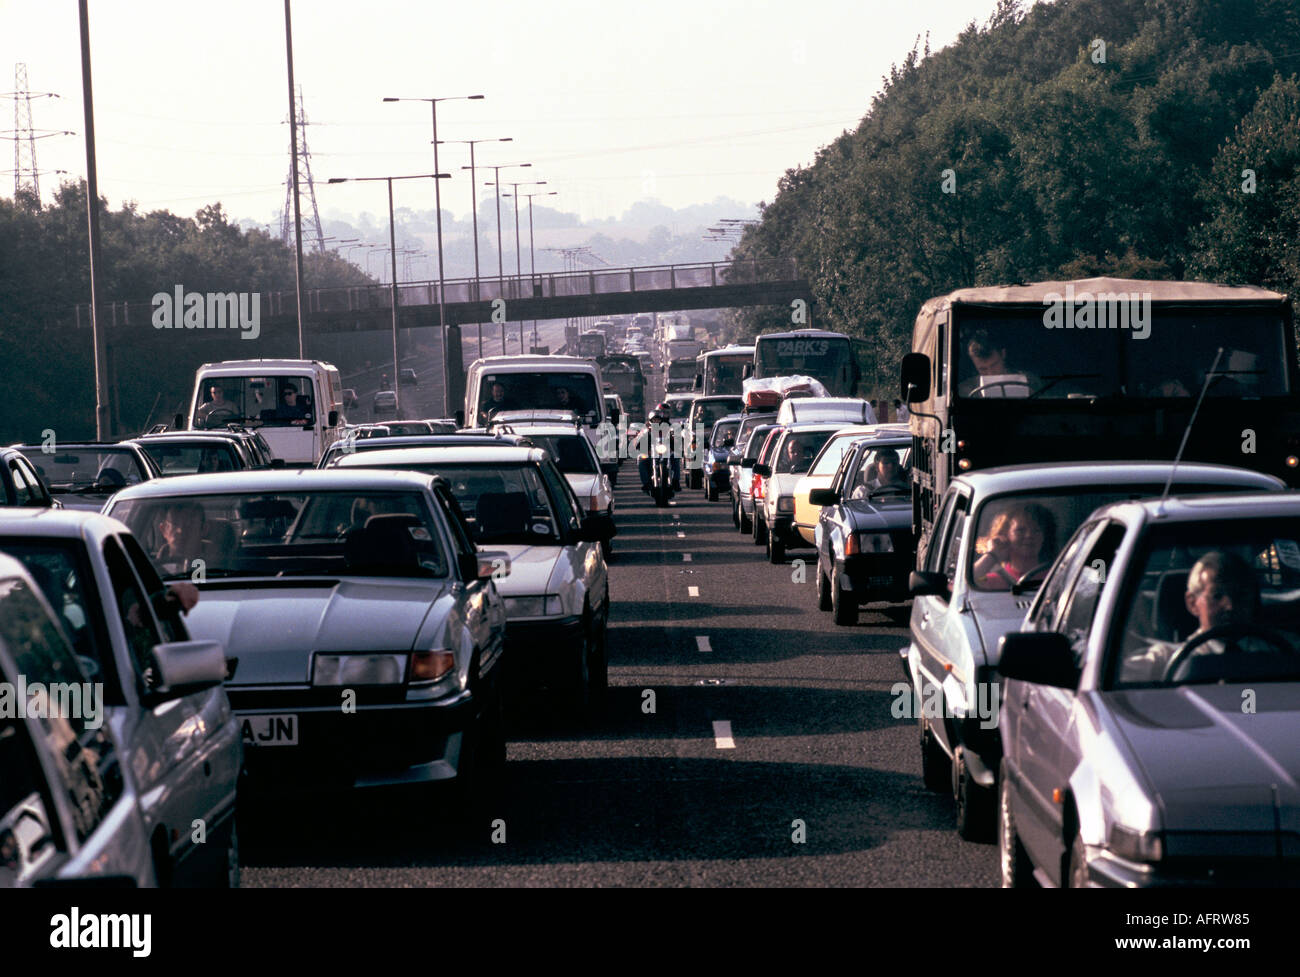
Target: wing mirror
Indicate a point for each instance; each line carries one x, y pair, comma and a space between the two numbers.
486, 565
183, 667
763, 471
823, 496
924, 583
1038, 657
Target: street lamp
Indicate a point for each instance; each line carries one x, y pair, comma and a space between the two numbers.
392, 249
532, 253
437, 197
501, 275
473, 200
519, 272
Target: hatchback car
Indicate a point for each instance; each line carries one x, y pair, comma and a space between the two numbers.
557, 593
997, 534
368, 632
19, 483
384, 402
408, 375
85, 474
194, 452
744, 476
130, 635
704, 413
721, 441
786, 462
1150, 713
823, 470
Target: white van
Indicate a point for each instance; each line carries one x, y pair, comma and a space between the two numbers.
530, 382
297, 405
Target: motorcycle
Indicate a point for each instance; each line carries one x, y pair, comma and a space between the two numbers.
661, 475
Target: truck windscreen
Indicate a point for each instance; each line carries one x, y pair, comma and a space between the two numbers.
826, 358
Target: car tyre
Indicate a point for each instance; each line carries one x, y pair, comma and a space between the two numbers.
735, 513
746, 521
759, 533
936, 768
843, 607
775, 549
1078, 877
823, 591
1017, 870
710, 491
976, 805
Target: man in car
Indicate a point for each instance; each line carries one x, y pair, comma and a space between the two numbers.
889, 471
181, 527
289, 409
1222, 591
216, 404
994, 377
499, 400
566, 399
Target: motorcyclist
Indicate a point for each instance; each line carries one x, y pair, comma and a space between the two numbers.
657, 431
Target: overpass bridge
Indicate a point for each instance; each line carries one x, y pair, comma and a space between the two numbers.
515, 298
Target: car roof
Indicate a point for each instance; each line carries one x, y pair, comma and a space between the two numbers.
484, 455
799, 427
427, 441
274, 480
1211, 506
214, 434
57, 523
525, 430
1018, 478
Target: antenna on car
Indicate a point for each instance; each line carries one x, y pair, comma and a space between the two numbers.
1205, 388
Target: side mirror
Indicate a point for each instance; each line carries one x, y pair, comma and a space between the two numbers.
485, 565
764, 471
699, 383
183, 667
596, 529
593, 419
178, 422
823, 496
459, 417
277, 462
747, 462
915, 378
924, 583
334, 418
1039, 657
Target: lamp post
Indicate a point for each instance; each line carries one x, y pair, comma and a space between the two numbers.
437, 198
392, 249
519, 272
473, 201
532, 252
501, 275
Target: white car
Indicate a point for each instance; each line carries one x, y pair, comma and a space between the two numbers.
557, 594
797, 446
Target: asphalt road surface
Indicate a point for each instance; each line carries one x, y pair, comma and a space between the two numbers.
771, 756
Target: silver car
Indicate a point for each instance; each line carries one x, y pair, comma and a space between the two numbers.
182, 743
368, 632
1151, 723
997, 533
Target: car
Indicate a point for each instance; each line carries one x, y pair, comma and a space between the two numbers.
785, 465
1152, 698
369, 632
577, 461
964, 599
85, 474
194, 452
721, 441
557, 593
384, 402
849, 410
129, 635
758, 484
67, 814
20, 485
679, 406
408, 375
823, 470
743, 472
864, 528
347, 446
704, 412
349, 397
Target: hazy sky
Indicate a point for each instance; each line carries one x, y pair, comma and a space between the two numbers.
677, 100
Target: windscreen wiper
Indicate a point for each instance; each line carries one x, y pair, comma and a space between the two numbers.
1058, 377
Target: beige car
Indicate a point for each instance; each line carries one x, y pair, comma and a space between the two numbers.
823, 471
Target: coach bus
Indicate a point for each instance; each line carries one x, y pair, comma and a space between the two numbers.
831, 357
720, 371
1099, 369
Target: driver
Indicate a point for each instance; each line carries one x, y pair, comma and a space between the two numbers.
1222, 591
990, 361
1020, 539
215, 404
889, 471
566, 399
658, 430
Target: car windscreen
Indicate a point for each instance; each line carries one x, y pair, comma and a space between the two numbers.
681, 370
797, 450
680, 409
832, 453
882, 474
722, 432
749, 423
86, 471
723, 374
1213, 601
1017, 535
570, 452
192, 458
357, 532
709, 412
502, 503
273, 401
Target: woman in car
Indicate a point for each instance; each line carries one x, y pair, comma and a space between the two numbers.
1020, 539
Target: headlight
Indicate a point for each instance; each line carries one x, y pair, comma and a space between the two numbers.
1136, 846
868, 543
661, 449
785, 504
429, 666
349, 670
544, 605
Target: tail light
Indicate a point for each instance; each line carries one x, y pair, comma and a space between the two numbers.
756, 487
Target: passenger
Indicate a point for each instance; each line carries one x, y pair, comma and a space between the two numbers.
1019, 540
290, 410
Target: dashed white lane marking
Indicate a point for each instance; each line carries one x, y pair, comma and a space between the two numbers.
702, 643
686, 558
681, 535
692, 591
722, 737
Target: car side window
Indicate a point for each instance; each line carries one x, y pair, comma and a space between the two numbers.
133, 610
168, 612
26, 490
1043, 614
28, 835
567, 509
934, 550
1085, 595
952, 548
840, 482
461, 538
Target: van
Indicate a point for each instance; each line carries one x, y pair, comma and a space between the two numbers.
529, 382
297, 405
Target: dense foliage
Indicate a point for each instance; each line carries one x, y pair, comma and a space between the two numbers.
1063, 158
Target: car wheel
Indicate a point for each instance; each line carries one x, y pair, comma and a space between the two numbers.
775, 549
1017, 870
735, 514
823, 590
976, 805
844, 608
1078, 878
598, 666
759, 534
746, 522
578, 691
232, 857
936, 768
710, 491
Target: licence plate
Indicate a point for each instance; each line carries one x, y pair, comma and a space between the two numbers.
279, 730
880, 582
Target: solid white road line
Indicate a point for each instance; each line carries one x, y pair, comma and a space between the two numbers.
702, 643
722, 737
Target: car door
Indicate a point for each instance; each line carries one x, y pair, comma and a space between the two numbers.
584, 559
28, 490
833, 522
1044, 715
485, 616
